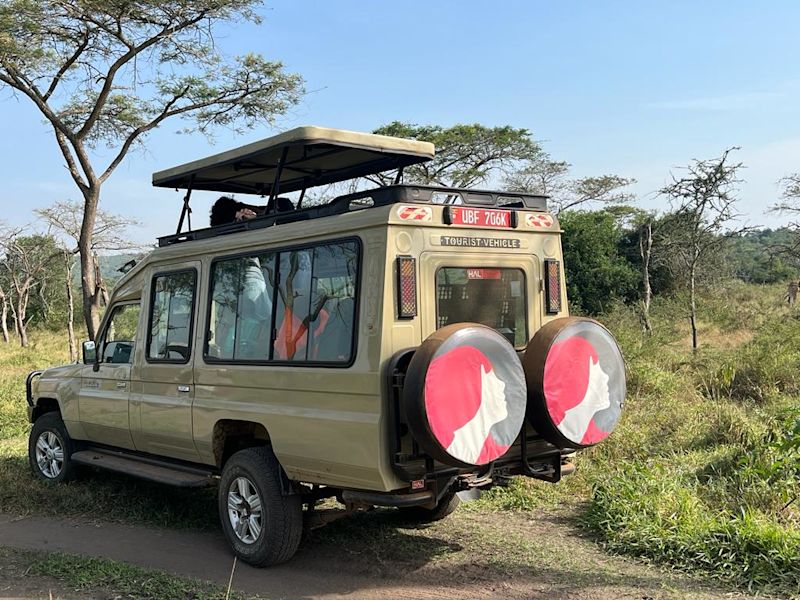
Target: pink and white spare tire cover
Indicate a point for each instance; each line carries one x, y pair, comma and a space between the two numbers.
464, 396
575, 376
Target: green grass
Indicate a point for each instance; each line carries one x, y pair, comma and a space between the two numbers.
703, 473
700, 475
106, 578
109, 497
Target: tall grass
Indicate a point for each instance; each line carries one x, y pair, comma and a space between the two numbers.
45, 349
111, 496
704, 469
703, 472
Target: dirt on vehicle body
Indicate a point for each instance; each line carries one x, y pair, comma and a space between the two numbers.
393, 347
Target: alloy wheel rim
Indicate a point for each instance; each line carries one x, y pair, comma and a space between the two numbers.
49, 454
244, 510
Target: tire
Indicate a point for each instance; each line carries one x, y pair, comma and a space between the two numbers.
269, 536
444, 508
50, 449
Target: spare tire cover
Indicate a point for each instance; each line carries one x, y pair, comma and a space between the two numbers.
576, 382
464, 395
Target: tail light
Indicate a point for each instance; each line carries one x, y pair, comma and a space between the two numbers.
406, 287
552, 286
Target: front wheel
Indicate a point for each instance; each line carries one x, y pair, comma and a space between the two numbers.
263, 526
50, 448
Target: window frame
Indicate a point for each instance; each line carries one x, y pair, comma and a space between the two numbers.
104, 329
525, 302
210, 360
148, 332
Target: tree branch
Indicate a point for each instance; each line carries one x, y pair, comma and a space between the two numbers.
67, 66
108, 83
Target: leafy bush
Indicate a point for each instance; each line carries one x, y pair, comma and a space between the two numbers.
597, 275
704, 471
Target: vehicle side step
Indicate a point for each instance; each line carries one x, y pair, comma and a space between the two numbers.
144, 468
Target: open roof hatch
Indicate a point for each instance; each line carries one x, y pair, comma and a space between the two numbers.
294, 160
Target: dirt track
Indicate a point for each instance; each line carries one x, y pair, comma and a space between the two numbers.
325, 570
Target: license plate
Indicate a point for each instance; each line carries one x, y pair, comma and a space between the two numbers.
479, 217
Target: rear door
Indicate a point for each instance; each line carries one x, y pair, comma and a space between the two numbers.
492, 288
164, 379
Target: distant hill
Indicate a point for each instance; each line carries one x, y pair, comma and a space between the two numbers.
109, 267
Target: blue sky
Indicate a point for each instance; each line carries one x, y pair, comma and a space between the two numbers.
632, 88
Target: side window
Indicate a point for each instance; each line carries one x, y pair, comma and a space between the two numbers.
241, 308
119, 337
169, 336
333, 301
313, 305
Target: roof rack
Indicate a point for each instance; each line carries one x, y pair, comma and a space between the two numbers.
382, 196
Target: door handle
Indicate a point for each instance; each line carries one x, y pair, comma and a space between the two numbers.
183, 388
121, 385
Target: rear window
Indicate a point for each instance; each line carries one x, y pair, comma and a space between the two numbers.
491, 296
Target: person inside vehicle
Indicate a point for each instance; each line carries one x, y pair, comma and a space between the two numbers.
229, 210
254, 301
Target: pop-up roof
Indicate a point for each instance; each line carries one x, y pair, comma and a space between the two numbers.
295, 160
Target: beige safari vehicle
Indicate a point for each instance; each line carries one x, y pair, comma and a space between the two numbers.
400, 346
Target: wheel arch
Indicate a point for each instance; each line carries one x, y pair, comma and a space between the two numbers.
43, 406
231, 435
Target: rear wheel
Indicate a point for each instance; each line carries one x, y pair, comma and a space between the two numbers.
445, 507
262, 525
50, 448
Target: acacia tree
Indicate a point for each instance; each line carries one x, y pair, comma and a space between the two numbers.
466, 155
789, 204
107, 72
698, 228
791, 191
110, 234
540, 174
28, 264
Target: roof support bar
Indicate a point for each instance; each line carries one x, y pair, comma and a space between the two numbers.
276, 185
187, 210
399, 177
300, 200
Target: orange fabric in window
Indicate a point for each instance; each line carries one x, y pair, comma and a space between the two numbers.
292, 334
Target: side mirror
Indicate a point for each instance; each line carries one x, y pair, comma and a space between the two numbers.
89, 353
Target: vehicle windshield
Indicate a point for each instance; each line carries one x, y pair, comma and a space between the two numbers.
490, 296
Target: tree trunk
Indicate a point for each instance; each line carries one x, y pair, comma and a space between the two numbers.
693, 307
89, 288
4, 316
73, 346
19, 315
645, 247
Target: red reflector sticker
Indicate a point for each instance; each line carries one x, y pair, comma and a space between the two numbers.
478, 217
542, 221
415, 213
484, 274
418, 484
